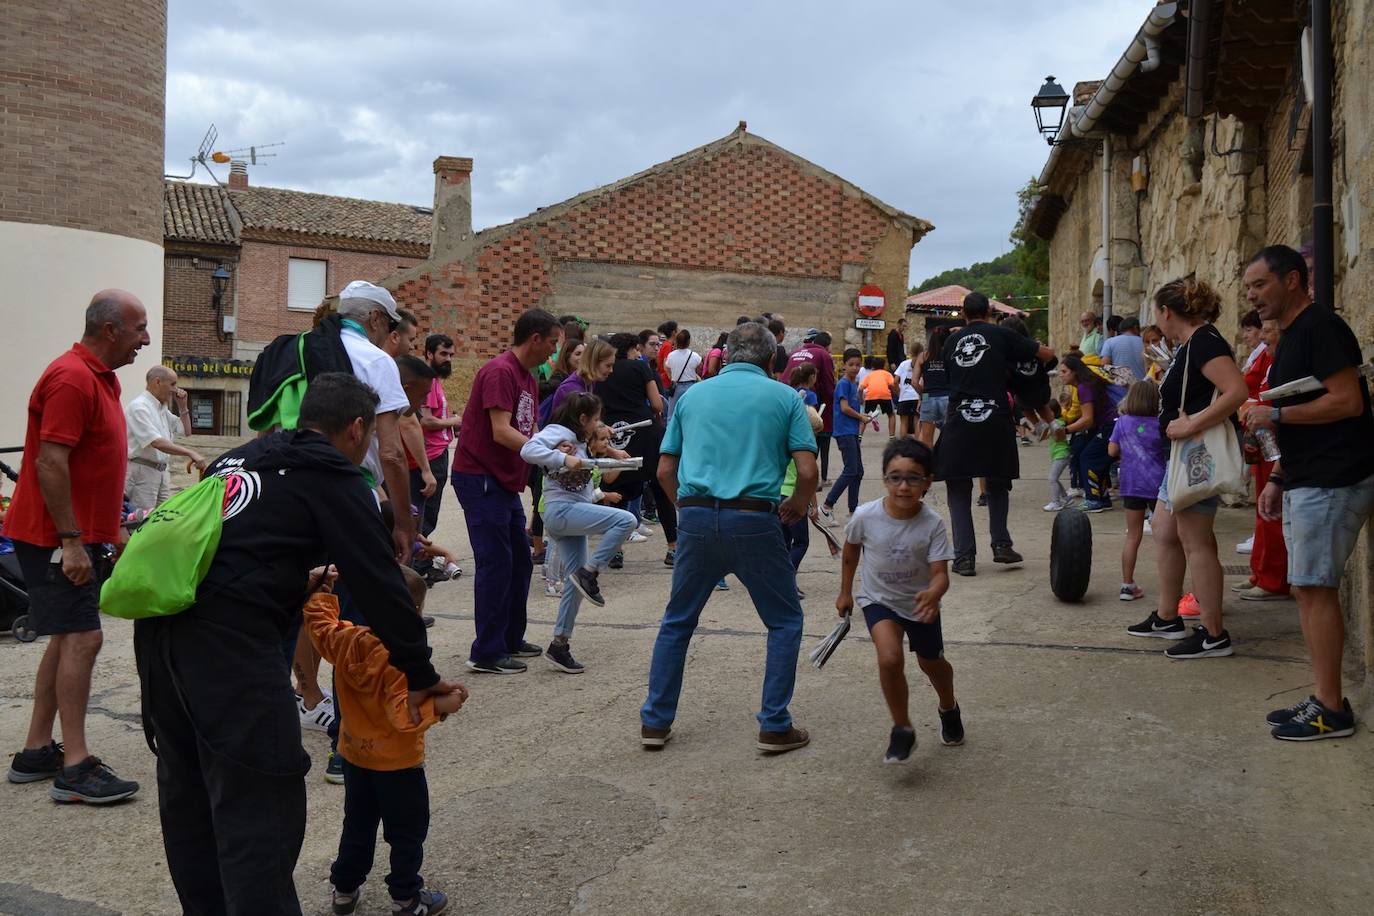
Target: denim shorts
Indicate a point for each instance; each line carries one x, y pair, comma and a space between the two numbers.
934, 408
1206, 506
1320, 528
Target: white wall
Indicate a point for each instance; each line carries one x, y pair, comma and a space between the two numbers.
49, 275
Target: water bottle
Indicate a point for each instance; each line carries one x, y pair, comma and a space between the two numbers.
1268, 443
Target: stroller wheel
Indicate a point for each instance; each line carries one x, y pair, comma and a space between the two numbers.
21, 629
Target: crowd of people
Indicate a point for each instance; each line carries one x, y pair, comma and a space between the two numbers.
330, 519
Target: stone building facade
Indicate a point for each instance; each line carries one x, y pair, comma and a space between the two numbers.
1210, 191
739, 226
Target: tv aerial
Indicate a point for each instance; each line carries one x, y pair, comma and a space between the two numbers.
206, 154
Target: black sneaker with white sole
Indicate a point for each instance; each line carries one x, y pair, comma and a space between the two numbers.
559, 655
965, 566
1316, 722
1201, 644
92, 782
345, 904
1003, 553
1158, 627
526, 650
951, 726
425, 903
584, 580
36, 764
503, 665
900, 744
333, 769
1289, 713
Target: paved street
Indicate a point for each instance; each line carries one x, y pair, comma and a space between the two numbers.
1098, 777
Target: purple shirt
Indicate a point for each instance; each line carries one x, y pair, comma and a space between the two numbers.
1142, 455
573, 384
502, 384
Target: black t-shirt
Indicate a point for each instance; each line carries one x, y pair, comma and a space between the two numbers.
1338, 454
934, 378
1205, 345
780, 360
896, 348
623, 393
978, 358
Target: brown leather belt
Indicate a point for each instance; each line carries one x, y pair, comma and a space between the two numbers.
150, 464
744, 504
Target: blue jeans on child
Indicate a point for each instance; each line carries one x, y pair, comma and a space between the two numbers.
852, 474
712, 543
567, 524
399, 800
501, 581
797, 537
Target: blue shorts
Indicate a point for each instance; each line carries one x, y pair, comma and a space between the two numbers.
1320, 528
927, 639
1206, 506
934, 408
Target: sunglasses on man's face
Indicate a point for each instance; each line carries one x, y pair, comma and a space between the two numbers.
911, 480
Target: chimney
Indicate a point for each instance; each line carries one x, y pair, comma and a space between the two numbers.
451, 235
238, 175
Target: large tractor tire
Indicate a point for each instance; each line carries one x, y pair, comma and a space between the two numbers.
1071, 555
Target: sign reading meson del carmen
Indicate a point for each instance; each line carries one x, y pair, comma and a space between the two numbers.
209, 367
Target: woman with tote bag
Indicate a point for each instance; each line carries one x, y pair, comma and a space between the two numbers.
1197, 413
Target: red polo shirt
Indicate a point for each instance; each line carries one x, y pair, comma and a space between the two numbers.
75, 403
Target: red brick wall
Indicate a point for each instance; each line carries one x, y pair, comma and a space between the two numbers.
188, 316
262, 311
1282, 153
747, 209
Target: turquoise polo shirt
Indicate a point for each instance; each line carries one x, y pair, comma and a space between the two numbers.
735, 433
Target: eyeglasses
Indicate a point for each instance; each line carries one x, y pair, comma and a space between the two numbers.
911, 480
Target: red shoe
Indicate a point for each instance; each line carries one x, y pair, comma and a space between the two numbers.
1188, 606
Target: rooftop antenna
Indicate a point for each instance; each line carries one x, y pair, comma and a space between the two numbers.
204, 156
253, 153
207, 143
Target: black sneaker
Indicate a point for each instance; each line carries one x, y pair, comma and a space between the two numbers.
333, 769
1201, 644
951, 727
617, 560
36, 764
540, 557
427, 620
503, 665
1289, 713
584, 580
1316, 722
649, 517
560, 656
92, 782
425, 903
670, 558
982, 499
964, 566
1002, 553
344, 904
526, 650
900, 745
1157, 626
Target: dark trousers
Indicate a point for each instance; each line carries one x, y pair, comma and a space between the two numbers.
501, 581
852, 475
399, 801
1077, 442
1095, 464
217, 706
959, 492
536, 492
823, 453
797, 537
430, 505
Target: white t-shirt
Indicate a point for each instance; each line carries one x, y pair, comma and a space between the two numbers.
374, 368
897, 553
145, 420
682, 365
906, 390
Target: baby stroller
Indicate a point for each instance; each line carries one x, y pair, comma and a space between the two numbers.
14, 598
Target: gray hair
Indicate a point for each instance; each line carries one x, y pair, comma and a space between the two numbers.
358, 307
103, 310
751, 343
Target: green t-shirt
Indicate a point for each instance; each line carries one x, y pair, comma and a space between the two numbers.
1059, 448
789, 480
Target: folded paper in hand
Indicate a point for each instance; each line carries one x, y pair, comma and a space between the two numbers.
821, 654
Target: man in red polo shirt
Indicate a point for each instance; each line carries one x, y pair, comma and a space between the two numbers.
70, 499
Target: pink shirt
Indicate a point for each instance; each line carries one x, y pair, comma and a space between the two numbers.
502, 384
436, 405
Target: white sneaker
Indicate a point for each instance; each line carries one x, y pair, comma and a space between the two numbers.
1247, 545
1075, 493
1053, 506
636, 538
318, 719
827, 516
553, 589
645, 530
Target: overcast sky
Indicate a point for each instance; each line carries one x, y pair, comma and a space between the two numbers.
923, 104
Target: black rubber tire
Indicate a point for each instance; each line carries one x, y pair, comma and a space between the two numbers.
1071, 555
20, 629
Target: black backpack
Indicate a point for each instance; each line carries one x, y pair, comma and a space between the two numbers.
284, 369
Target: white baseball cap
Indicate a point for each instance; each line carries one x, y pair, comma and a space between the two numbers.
361, 289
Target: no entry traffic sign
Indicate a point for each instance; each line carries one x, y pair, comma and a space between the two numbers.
871, 302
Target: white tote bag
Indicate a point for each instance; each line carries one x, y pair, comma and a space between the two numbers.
1208, 464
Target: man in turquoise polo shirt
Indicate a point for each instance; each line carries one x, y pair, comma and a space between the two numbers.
722, 461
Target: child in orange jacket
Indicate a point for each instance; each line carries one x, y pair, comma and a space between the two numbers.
382, 742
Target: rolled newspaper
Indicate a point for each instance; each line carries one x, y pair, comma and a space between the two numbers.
821, 654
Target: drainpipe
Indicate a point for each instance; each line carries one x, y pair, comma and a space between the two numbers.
1199, 39
1106, 231
1135, 57
1323, 216
1151, 61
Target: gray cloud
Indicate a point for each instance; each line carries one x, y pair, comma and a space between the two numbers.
924, 105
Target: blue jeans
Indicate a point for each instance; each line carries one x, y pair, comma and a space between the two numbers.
504, 564
852, 474
567, 525
1320, 527
797, 537
711, 543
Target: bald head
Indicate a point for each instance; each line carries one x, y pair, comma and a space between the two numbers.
161, 374
116, 327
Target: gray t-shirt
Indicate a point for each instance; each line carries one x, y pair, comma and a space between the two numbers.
897, 553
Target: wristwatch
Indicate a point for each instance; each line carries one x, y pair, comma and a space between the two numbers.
1274, 415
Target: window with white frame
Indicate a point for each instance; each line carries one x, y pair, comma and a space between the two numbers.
305, 279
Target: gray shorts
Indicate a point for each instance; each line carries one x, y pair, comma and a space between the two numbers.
1320, 528
55, 605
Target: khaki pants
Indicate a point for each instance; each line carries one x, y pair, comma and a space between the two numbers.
145, 487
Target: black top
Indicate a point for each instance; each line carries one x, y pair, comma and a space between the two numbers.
623, 393
1205, 345
935, 377
780, 360
896, 348
979, 357
978, 438
1338, 454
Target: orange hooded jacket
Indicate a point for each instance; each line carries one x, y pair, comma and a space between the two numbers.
375, 731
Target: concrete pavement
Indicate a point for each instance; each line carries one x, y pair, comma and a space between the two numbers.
1098, 776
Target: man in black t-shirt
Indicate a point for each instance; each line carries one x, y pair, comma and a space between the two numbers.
1323, 485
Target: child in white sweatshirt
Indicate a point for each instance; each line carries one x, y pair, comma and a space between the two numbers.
571, 512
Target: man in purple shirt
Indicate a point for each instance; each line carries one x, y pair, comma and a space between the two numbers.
488, 478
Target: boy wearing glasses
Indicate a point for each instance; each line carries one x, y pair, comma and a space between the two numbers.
901, 550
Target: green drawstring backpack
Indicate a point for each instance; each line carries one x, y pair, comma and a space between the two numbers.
168, 555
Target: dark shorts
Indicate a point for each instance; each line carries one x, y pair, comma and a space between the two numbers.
908, 408
1138, 502
883, 404
927, 639
55, 605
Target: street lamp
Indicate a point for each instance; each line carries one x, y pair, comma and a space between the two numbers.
220, 278
1050, 102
